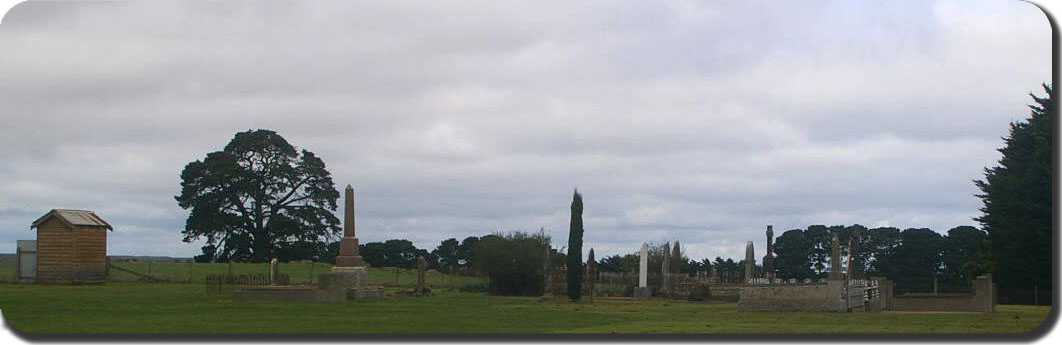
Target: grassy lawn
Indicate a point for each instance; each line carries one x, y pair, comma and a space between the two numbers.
186, 308
299, 272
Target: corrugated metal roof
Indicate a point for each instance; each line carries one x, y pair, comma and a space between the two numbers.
74, 217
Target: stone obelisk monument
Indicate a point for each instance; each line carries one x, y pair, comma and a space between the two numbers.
642, 291
348, 261
750, 261
835, 259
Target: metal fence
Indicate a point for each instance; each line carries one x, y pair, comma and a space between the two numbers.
226, 283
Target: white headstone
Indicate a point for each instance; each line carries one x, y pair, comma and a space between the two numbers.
643, 266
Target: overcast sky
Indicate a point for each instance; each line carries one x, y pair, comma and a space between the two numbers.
697, 121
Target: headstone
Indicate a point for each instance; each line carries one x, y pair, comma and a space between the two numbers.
642, 291
274, 271
420, 275
591, 274
643, 266
835, 259
546, 269
768, 260
855, 264
676, 261
665, 269
750, 261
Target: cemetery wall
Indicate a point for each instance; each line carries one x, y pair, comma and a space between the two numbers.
981, 300
829, 297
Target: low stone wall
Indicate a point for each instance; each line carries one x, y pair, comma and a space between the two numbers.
982, 300
829, 297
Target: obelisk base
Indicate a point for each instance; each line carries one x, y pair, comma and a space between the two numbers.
348, 253
349, 277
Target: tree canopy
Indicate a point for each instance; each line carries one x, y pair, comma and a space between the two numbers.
257, 195
1017, 200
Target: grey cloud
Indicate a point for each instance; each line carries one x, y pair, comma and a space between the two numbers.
684, 120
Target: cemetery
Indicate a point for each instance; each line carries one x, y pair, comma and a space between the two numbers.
656, 298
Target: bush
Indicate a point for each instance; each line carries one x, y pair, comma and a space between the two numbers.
514, 263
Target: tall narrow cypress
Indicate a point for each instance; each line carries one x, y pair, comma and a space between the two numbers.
575, 249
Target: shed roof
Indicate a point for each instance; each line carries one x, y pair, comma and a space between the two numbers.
74, 217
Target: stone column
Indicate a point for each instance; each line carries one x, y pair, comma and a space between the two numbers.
348, 245
750, 261
835, 259
643, 266
591, 274
349, 270
642, 291
768, 259
420, 276
665, 268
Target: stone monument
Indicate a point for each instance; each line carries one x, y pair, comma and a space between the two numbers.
274, 271
665, 269
750, 261
768, 260
835, 259
591, 274
348, 262
855, 264
421, 288
642, 291
348, 280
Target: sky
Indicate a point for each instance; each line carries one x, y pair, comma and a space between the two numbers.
696, 121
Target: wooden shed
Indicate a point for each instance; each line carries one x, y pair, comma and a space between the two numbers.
71, 247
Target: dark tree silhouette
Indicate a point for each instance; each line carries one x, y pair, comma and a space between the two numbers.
1017, 201
256, 195
794, 252
575, 249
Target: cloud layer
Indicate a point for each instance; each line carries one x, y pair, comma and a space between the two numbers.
698, 121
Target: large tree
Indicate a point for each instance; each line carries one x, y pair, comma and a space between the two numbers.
965, 256
256, 195
916, 261
575, 249
1017, 201
794, 252
447, 254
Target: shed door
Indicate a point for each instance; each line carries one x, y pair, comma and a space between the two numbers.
27, 259
28, 265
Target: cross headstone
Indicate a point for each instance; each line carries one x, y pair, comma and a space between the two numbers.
768, 259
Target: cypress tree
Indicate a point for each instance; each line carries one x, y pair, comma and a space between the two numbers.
1017, 202
575, 249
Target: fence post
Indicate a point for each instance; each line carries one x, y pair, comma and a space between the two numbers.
1036, 295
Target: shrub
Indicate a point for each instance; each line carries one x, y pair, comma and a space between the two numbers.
514, 263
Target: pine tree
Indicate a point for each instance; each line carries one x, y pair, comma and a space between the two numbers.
1017, 201
575, 249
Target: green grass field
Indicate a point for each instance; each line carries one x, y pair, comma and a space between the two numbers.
186, 308
299, 272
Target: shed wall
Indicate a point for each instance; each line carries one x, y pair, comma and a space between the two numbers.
70, 255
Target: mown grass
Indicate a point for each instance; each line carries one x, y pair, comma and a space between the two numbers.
186, 308
299, 272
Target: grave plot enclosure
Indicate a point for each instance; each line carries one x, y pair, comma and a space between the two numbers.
71, 247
